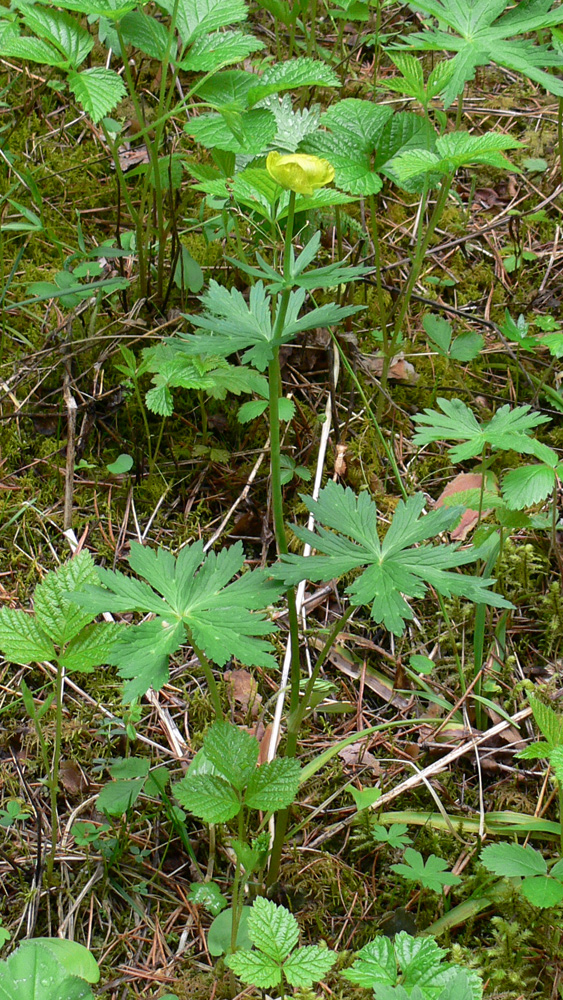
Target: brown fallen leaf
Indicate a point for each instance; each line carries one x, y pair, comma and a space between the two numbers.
72, 778
400, 369
461, 483
243, 690
355, 756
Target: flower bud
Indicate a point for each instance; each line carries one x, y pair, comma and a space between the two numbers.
299, 172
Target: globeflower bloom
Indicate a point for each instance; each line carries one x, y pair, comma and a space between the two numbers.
299, 172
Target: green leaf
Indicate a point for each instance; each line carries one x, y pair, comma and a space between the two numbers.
393, 569
208, 895
233, 752
195, 18
256, 968
60, 619
542, 892
290, 75
141, 653
375, 964
355, 127
255, 131
508, 429
122, 464
98, 90
549, 723
145, 33
431, 874
364, 798
467, 346
482, 32
510, 860
118, 796
453, 151
91, 647
395, 836
528, 485
207, 796
222, 48
272, 929
32, 50
111, 9
439, 331
307, 965
21, 638
32, 969
219, 936
72, 956
61, 30
273, 785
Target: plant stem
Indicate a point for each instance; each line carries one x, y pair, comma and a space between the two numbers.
211, 683
54, 776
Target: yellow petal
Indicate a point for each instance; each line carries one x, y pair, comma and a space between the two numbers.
299, 172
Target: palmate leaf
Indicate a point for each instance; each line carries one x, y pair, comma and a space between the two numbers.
508, 429
483, 33
189, 592
393, 570
431, 874
237, 325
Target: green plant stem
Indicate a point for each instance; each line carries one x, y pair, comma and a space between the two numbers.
55, 766
211, 683
144, 417
237, 886
453, 641
560, 795
560, 133
377, 265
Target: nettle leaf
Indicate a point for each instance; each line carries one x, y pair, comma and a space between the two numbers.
114, 10
21, 638
508, 429
375, 965
233, 752
91, 647
308, 965
510, 860
482, 33
289, 75
56, 615
189, 592
256, 968
208, 796
174, 369
195, 18
548, 722
393, 569
98, 90
62, 30
145, 33
32, 50
272, 929
222, 48
431, 873
273, 785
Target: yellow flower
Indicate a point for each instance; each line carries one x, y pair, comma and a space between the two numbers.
299, 172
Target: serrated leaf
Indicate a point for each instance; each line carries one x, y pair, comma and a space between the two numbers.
98, 90
482, 32
141, 653
542, 892
118, 796
307, 965
510, 860
256, 968
208, 895
222, 48
56, 615
291, 74
392, 570
293, 126
549, 722
355, 127
467, 346
256, 130
195, 18
508, 429
375, 965
61, 30
207, 796
145, 33
273, 785
91, 647
530, 484
232, 751
22, 640
272, 929
33, 50
453, 151
111, 9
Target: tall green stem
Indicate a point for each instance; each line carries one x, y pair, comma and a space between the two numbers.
55, 766
211, 683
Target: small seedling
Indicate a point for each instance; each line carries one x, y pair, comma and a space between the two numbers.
430, 874
277, 960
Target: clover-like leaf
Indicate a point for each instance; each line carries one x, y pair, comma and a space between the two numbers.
431, 873
393, 570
